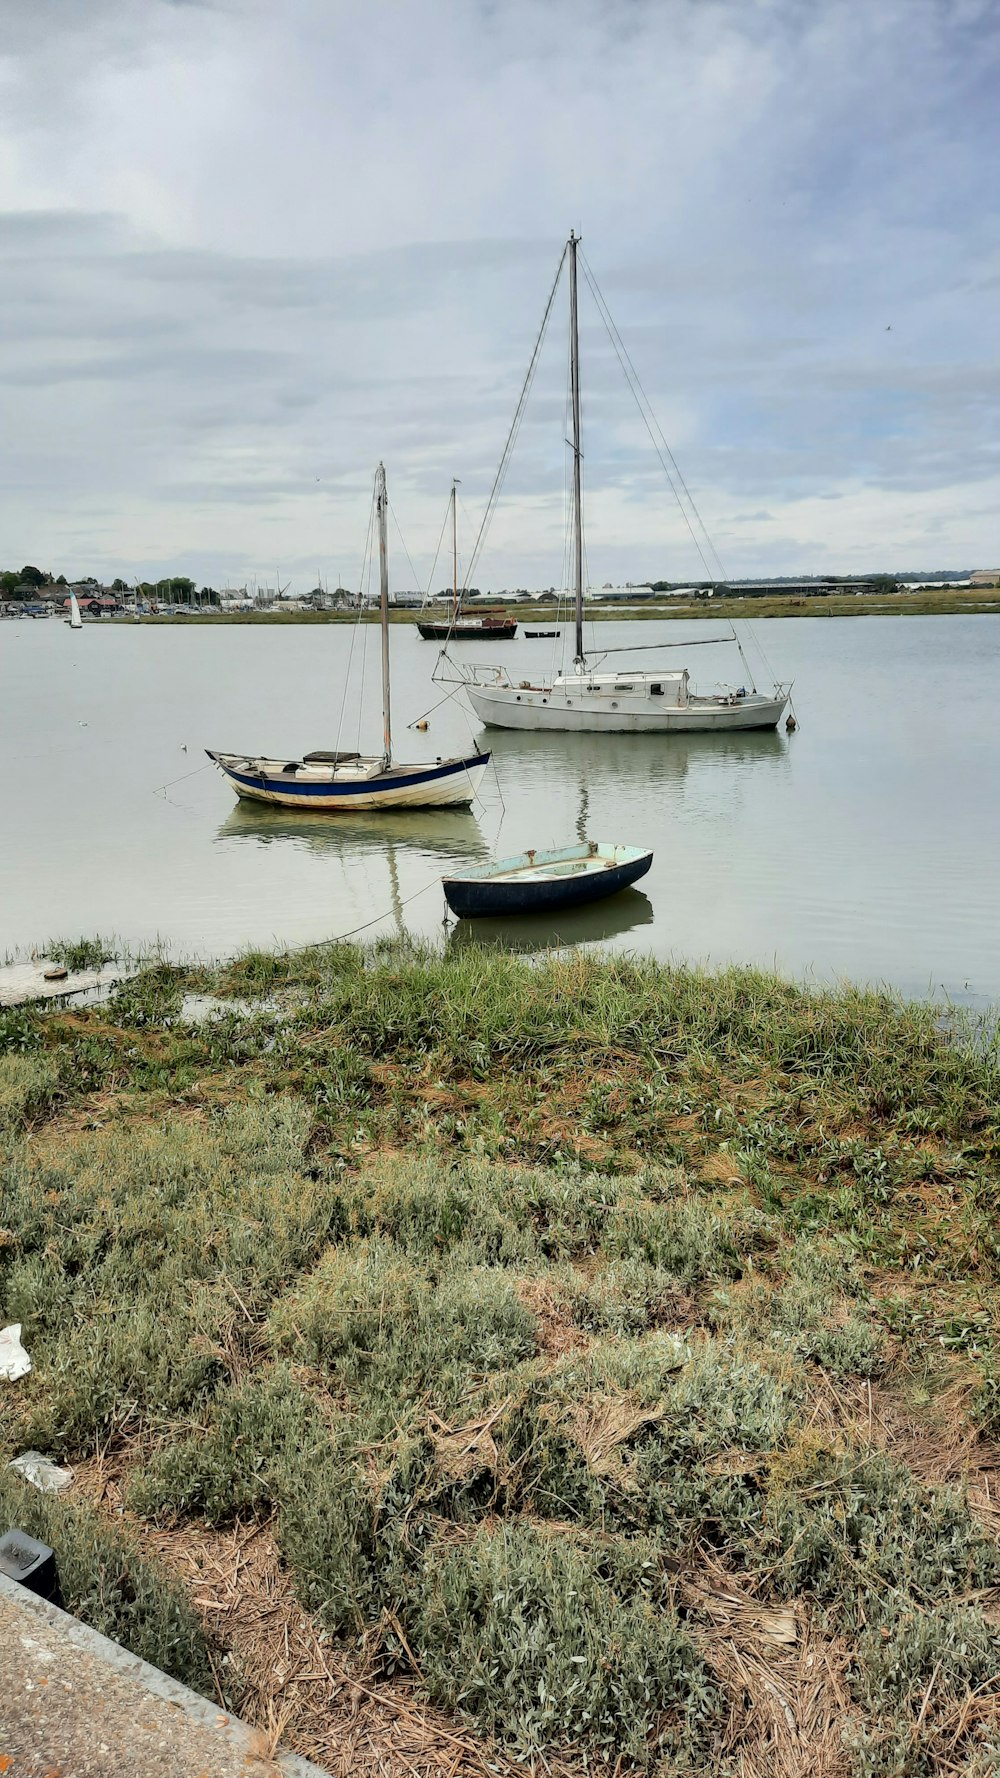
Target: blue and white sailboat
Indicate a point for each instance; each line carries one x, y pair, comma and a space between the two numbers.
331, 782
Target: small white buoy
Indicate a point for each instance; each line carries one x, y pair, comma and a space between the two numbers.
184, 747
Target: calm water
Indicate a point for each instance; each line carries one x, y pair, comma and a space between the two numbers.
866, 845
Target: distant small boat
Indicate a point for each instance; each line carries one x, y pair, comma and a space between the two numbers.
480, 626
535, 635
75, 619
536, 882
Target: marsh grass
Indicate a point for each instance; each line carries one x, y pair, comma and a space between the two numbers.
28, 1087
505, 1294
82, 953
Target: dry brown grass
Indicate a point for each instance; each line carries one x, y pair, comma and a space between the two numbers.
296, 1691
789, 1701
557, 1333
602, 1424
941, 1445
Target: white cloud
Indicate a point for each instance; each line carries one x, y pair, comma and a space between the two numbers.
248, 250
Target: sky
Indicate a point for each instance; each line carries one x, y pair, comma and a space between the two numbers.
248, 250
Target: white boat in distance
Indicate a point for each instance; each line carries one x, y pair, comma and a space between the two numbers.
332, 782
627, 702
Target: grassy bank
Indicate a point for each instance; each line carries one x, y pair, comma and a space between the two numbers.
940, 603
593, 1361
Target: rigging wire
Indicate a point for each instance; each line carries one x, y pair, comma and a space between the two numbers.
660, 445
402, 539
515, 423
430, 578
666, 457
504, 465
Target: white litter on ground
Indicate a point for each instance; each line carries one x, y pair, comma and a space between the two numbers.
14, 1360
41, 1472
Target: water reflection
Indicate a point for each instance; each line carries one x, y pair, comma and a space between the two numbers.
597, 760
454, 834
621, 913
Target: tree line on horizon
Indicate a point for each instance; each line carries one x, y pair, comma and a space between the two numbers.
27, 582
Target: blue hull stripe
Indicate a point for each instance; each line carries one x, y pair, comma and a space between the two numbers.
363, 787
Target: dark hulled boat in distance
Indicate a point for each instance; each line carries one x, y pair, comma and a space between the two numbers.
484, 625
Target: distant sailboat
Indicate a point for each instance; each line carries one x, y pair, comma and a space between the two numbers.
333, 781
484, 626
74, 619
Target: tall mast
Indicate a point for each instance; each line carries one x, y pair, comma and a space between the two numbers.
454, 552
381, 504
574, 362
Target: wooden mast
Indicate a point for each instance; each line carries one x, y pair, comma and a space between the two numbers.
574, 347
381, 504
454, 552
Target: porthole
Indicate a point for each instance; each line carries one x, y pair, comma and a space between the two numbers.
518, 698
614, 705
545, 700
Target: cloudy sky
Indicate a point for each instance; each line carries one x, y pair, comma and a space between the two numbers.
248, 249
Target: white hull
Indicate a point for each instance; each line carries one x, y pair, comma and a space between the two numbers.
353, 789
454, 794
502, 706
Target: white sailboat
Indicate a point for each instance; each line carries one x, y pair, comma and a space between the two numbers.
74, 619
333, 782
637, 702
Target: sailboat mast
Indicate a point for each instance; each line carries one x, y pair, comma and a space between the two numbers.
454, 553
574, 362
381, 504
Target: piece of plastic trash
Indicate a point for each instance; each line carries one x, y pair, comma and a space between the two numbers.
41, 1472
14, 1360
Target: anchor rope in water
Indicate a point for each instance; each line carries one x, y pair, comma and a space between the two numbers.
319, 944
161, 789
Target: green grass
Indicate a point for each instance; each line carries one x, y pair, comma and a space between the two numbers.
511, 1295
82, 953
939, 602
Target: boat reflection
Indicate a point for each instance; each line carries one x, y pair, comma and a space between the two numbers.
597, 759
586, 925
454, 835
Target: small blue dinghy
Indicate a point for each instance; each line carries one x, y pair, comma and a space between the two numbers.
535, 882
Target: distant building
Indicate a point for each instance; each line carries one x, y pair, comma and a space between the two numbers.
985, 577
629, 593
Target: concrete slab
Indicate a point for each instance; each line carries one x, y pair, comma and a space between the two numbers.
75, 1705
23, 983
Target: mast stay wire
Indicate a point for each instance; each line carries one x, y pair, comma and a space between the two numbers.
430, 578
402, 539
666, 457
653, 427
515, 425
504, 465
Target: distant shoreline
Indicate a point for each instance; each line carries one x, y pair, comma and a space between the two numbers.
974, 601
